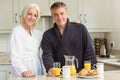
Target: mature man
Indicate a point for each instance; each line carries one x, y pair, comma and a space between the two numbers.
66, 38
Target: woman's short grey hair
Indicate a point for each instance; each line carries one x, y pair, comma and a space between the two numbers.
25, 10
58, 5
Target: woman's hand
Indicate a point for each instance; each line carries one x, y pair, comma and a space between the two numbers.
28, 73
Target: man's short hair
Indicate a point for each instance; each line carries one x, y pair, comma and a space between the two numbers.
58, 5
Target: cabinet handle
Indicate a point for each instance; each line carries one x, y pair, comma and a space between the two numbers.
19, 16
15, 17
9, 72
85, 21
81, 18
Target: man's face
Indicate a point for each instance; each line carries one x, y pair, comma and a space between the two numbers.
60, 16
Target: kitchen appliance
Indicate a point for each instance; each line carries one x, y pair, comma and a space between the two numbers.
101, 47
102, 50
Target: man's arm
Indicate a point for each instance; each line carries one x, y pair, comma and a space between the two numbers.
89, 51
47, 53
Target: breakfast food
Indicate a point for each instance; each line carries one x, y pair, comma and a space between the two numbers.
92, 73
84, 72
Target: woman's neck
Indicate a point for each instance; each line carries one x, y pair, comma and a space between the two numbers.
27, 29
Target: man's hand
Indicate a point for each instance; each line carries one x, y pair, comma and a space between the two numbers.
51, 72
28, 73
75, 21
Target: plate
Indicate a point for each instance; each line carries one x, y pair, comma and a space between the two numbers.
88, 77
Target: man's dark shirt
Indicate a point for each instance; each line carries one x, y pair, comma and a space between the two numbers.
75, 41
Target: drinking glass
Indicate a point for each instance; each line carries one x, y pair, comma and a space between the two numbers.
87, 65
57, 69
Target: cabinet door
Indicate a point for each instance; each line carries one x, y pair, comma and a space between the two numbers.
115, 13
43, 4
3, 75
95, 13
16, 16
45, 7
6, 14
4, 72
72, 6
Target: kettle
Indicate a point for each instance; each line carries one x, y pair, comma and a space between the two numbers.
102, 50
69, 61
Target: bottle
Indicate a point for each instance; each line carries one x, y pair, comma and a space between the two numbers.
102, 50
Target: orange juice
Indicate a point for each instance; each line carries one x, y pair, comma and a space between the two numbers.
72, 70
87, 66
57, 71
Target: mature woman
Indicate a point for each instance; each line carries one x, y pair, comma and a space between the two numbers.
25, 43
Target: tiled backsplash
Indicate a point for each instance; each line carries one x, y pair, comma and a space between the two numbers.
96, 35
116, 53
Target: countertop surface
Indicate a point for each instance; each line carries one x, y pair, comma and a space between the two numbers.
108, 75
109, 61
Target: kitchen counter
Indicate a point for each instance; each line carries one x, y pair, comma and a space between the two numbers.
108, 75
109, 61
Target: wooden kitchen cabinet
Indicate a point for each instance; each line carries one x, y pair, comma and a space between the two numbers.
5, 71
20, 4
44, 9
6, 15
43, 4
11, 12
94, 14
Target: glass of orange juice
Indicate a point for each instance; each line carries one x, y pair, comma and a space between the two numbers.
56, 68
72, 70
87, 65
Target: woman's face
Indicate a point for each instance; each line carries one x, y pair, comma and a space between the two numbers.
31, 17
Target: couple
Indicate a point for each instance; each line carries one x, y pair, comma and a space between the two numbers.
65, 38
